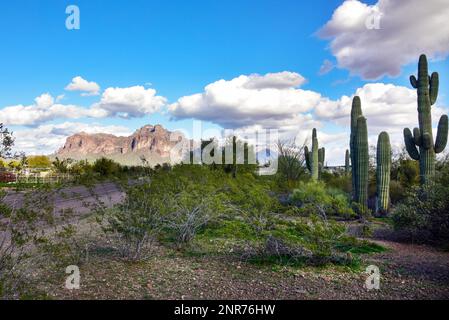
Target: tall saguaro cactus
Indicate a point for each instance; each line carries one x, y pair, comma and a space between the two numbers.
321, 159
312, 157
361, 163
383, 171
359, 154
347, 162
422, 137
356, 112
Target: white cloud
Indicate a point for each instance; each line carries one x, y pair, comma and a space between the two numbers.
272, 100
294, 112
387, 107
408, 28
89, 88
43, 110
122, 102
130, 102
46, 139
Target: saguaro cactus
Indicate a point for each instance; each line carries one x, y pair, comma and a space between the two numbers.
422, 137
361, 163
312, 157
347, 162
321, 159
383, 171
356, 112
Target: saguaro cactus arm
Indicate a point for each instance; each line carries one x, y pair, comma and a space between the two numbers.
414, 82
307, 158
314, 156
410, 144
433, 89
442, 134
427, 142
321, 155
417, 137
347, 162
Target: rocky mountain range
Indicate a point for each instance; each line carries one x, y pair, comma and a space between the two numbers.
152, 142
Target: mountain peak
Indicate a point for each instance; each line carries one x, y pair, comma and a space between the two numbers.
153, 142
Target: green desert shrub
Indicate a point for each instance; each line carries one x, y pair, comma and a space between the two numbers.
134, 224
106, 167
175, 204
314, 197
339, 181
313, 240
188, 212
397, 192
424, 214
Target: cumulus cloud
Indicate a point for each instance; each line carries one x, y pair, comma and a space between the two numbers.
387, 107
89, 88
115, 102
46, 139
407, 28
43, 110
237, 104
130, 102
271, 100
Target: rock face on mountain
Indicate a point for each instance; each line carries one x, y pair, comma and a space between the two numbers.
152, 142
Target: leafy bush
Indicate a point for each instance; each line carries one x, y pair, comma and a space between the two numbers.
106, 167
290, 161
39, 162
20, 229
338, 181
175, 204
136, 222
314, 197
397, 192
187, 212
424, 214
313, 240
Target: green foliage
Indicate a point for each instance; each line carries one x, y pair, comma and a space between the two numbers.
311, 241
314, 198
21, 229
61, 166
397, 191
424, 214
106, 167
64, 248
39, 162
408, 173
6, 142
136, 222
235, 156
291, 160
337, 181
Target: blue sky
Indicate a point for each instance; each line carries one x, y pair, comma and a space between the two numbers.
179, 47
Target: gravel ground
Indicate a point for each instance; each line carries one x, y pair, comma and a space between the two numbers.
407, 272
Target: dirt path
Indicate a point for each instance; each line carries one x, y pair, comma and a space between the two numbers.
412, 261
407, 272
